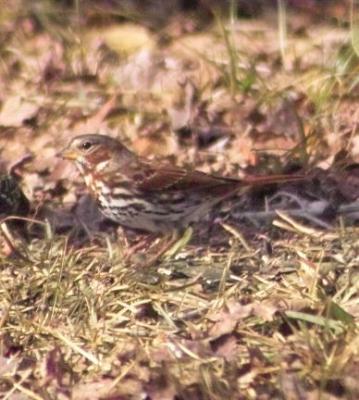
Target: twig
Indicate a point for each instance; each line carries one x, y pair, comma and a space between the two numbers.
237, 234
349, 208
311, 212
272, 214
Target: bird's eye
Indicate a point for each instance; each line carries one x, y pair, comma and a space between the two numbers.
86, 145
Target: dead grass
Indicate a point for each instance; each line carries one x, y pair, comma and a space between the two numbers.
252, 319
81, 322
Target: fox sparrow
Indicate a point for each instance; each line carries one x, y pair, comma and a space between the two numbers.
148, 195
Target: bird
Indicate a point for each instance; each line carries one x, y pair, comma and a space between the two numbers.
150, 195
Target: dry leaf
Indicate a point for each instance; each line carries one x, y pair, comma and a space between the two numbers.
227, 319
95, 390
225, 346
16, 110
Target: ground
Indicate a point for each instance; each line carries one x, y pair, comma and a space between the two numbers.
263, 302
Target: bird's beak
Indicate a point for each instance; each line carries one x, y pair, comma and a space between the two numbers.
68, 154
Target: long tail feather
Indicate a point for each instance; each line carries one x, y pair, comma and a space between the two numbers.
270, 179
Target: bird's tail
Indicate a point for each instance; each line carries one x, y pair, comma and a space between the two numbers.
271, 179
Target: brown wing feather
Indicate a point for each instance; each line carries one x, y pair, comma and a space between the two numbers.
156, 177
163, 176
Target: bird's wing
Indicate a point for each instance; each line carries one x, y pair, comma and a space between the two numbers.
151, 177
157, 177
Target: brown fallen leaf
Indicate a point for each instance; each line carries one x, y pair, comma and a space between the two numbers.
225, 346
157, 141
292, 387
99, 390
16, 110
93, 123
161, 388
227, 319
62, 169
8, 365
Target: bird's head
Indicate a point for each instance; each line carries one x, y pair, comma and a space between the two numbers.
96, 153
